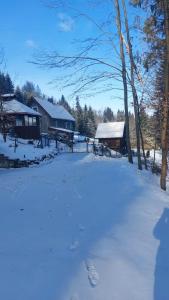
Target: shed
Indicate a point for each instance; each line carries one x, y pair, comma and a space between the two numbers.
112, 135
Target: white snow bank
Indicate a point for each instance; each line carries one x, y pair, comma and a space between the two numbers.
23, 150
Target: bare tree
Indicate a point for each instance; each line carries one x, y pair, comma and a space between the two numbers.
88, 71
124, 77
134, 91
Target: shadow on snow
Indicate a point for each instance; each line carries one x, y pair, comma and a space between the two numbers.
161, 281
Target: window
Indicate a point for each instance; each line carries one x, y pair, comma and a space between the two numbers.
30, 121
67, 125
19, 121
34, 123
26, 121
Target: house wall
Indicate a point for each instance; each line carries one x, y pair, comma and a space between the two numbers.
47, 121
25, 130
66, 124
117, 144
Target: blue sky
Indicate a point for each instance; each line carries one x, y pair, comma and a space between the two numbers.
29, 26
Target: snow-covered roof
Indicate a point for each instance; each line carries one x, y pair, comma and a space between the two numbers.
14, 106
110, 130
7, 95
61, 129
55, 111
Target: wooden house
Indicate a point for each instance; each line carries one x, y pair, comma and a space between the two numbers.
55, 118
26, 121
112, 135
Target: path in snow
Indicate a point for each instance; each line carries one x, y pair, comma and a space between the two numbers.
82, 227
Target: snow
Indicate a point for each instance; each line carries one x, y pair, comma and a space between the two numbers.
110, 130
24, 151
8, 95
158, 156
79, 138
61, 129
14, 106
83, 227
55, 111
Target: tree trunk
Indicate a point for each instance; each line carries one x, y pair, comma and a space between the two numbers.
154, 156
165, 104
134, 92
124, 77
142, 145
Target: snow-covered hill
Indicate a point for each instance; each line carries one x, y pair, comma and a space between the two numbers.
24, 149
83, 228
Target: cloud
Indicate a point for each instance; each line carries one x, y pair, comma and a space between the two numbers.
30, 44
66, 23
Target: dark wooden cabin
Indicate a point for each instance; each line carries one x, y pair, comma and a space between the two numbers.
112, 135
54, 117
26, 120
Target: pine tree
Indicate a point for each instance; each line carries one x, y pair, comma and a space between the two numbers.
2, 84
50, 99
120, 115
19, 95
92, 122
79, 117
86, 121
65, 104
6, 85
9, 87
108, 115
156, 30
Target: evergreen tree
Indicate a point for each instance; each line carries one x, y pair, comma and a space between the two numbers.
79, 117
91, 122
6, 85
2, 84
86, 121
108, 115
50, 99
65, 104
120, 115
9, 87
19, 95
156, 30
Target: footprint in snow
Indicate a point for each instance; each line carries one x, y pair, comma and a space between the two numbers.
81, 227
93, 276
74, 245
74, 297
69, 214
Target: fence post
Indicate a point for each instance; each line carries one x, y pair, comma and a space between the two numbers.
102, 149
87, 146
94, 148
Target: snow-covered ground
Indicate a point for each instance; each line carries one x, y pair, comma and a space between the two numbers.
83, 228
158, 156
24, 150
